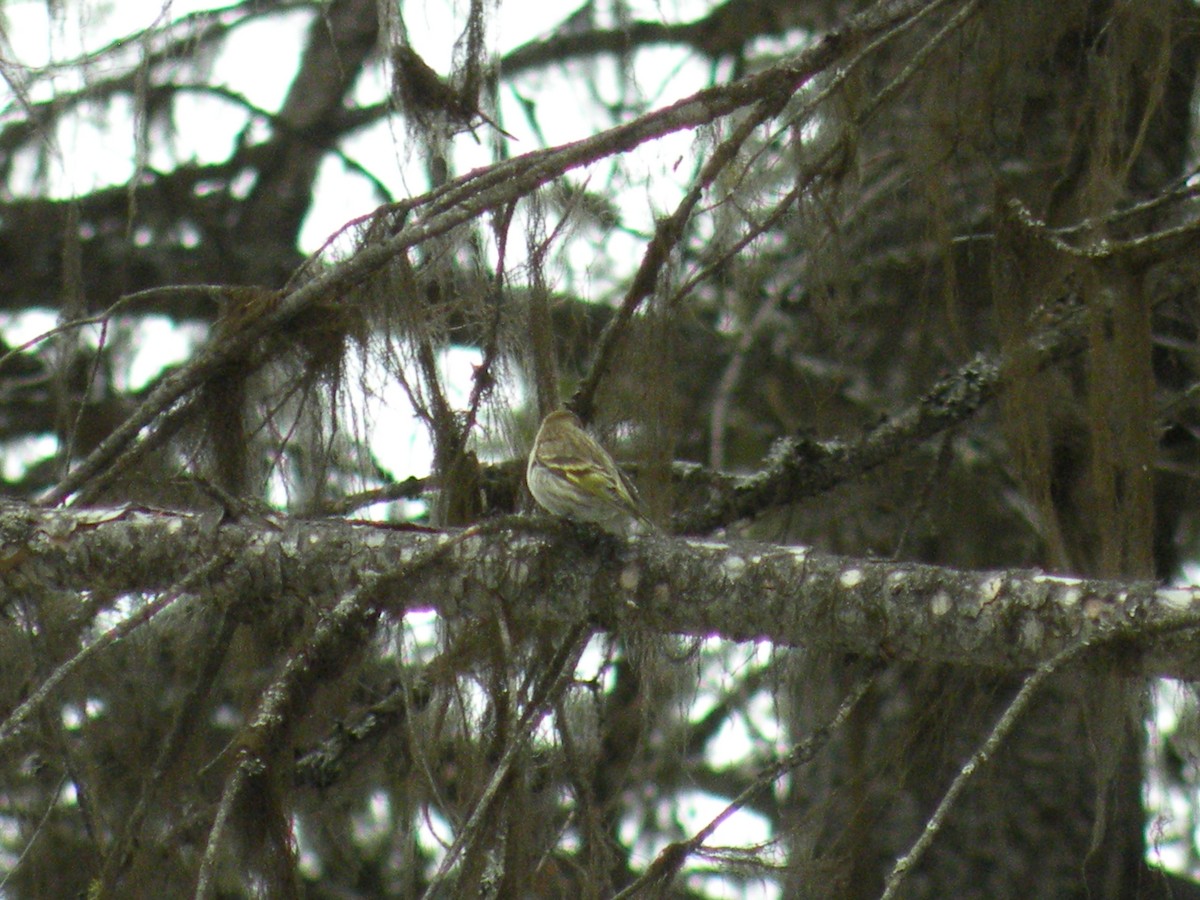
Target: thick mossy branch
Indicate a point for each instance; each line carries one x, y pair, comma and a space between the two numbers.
547, 572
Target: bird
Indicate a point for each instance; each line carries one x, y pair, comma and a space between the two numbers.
572, 476
424, 92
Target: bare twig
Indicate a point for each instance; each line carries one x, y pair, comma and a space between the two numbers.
670, 230
666, 235
999, 732
672, 858
16, 720
51, 805
221, 626
558, 674
1003, 727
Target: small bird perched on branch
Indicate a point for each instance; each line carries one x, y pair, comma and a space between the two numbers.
424, 92
572, 476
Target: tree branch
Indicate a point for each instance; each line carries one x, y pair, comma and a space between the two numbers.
801, 468
549, 572
466, 198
